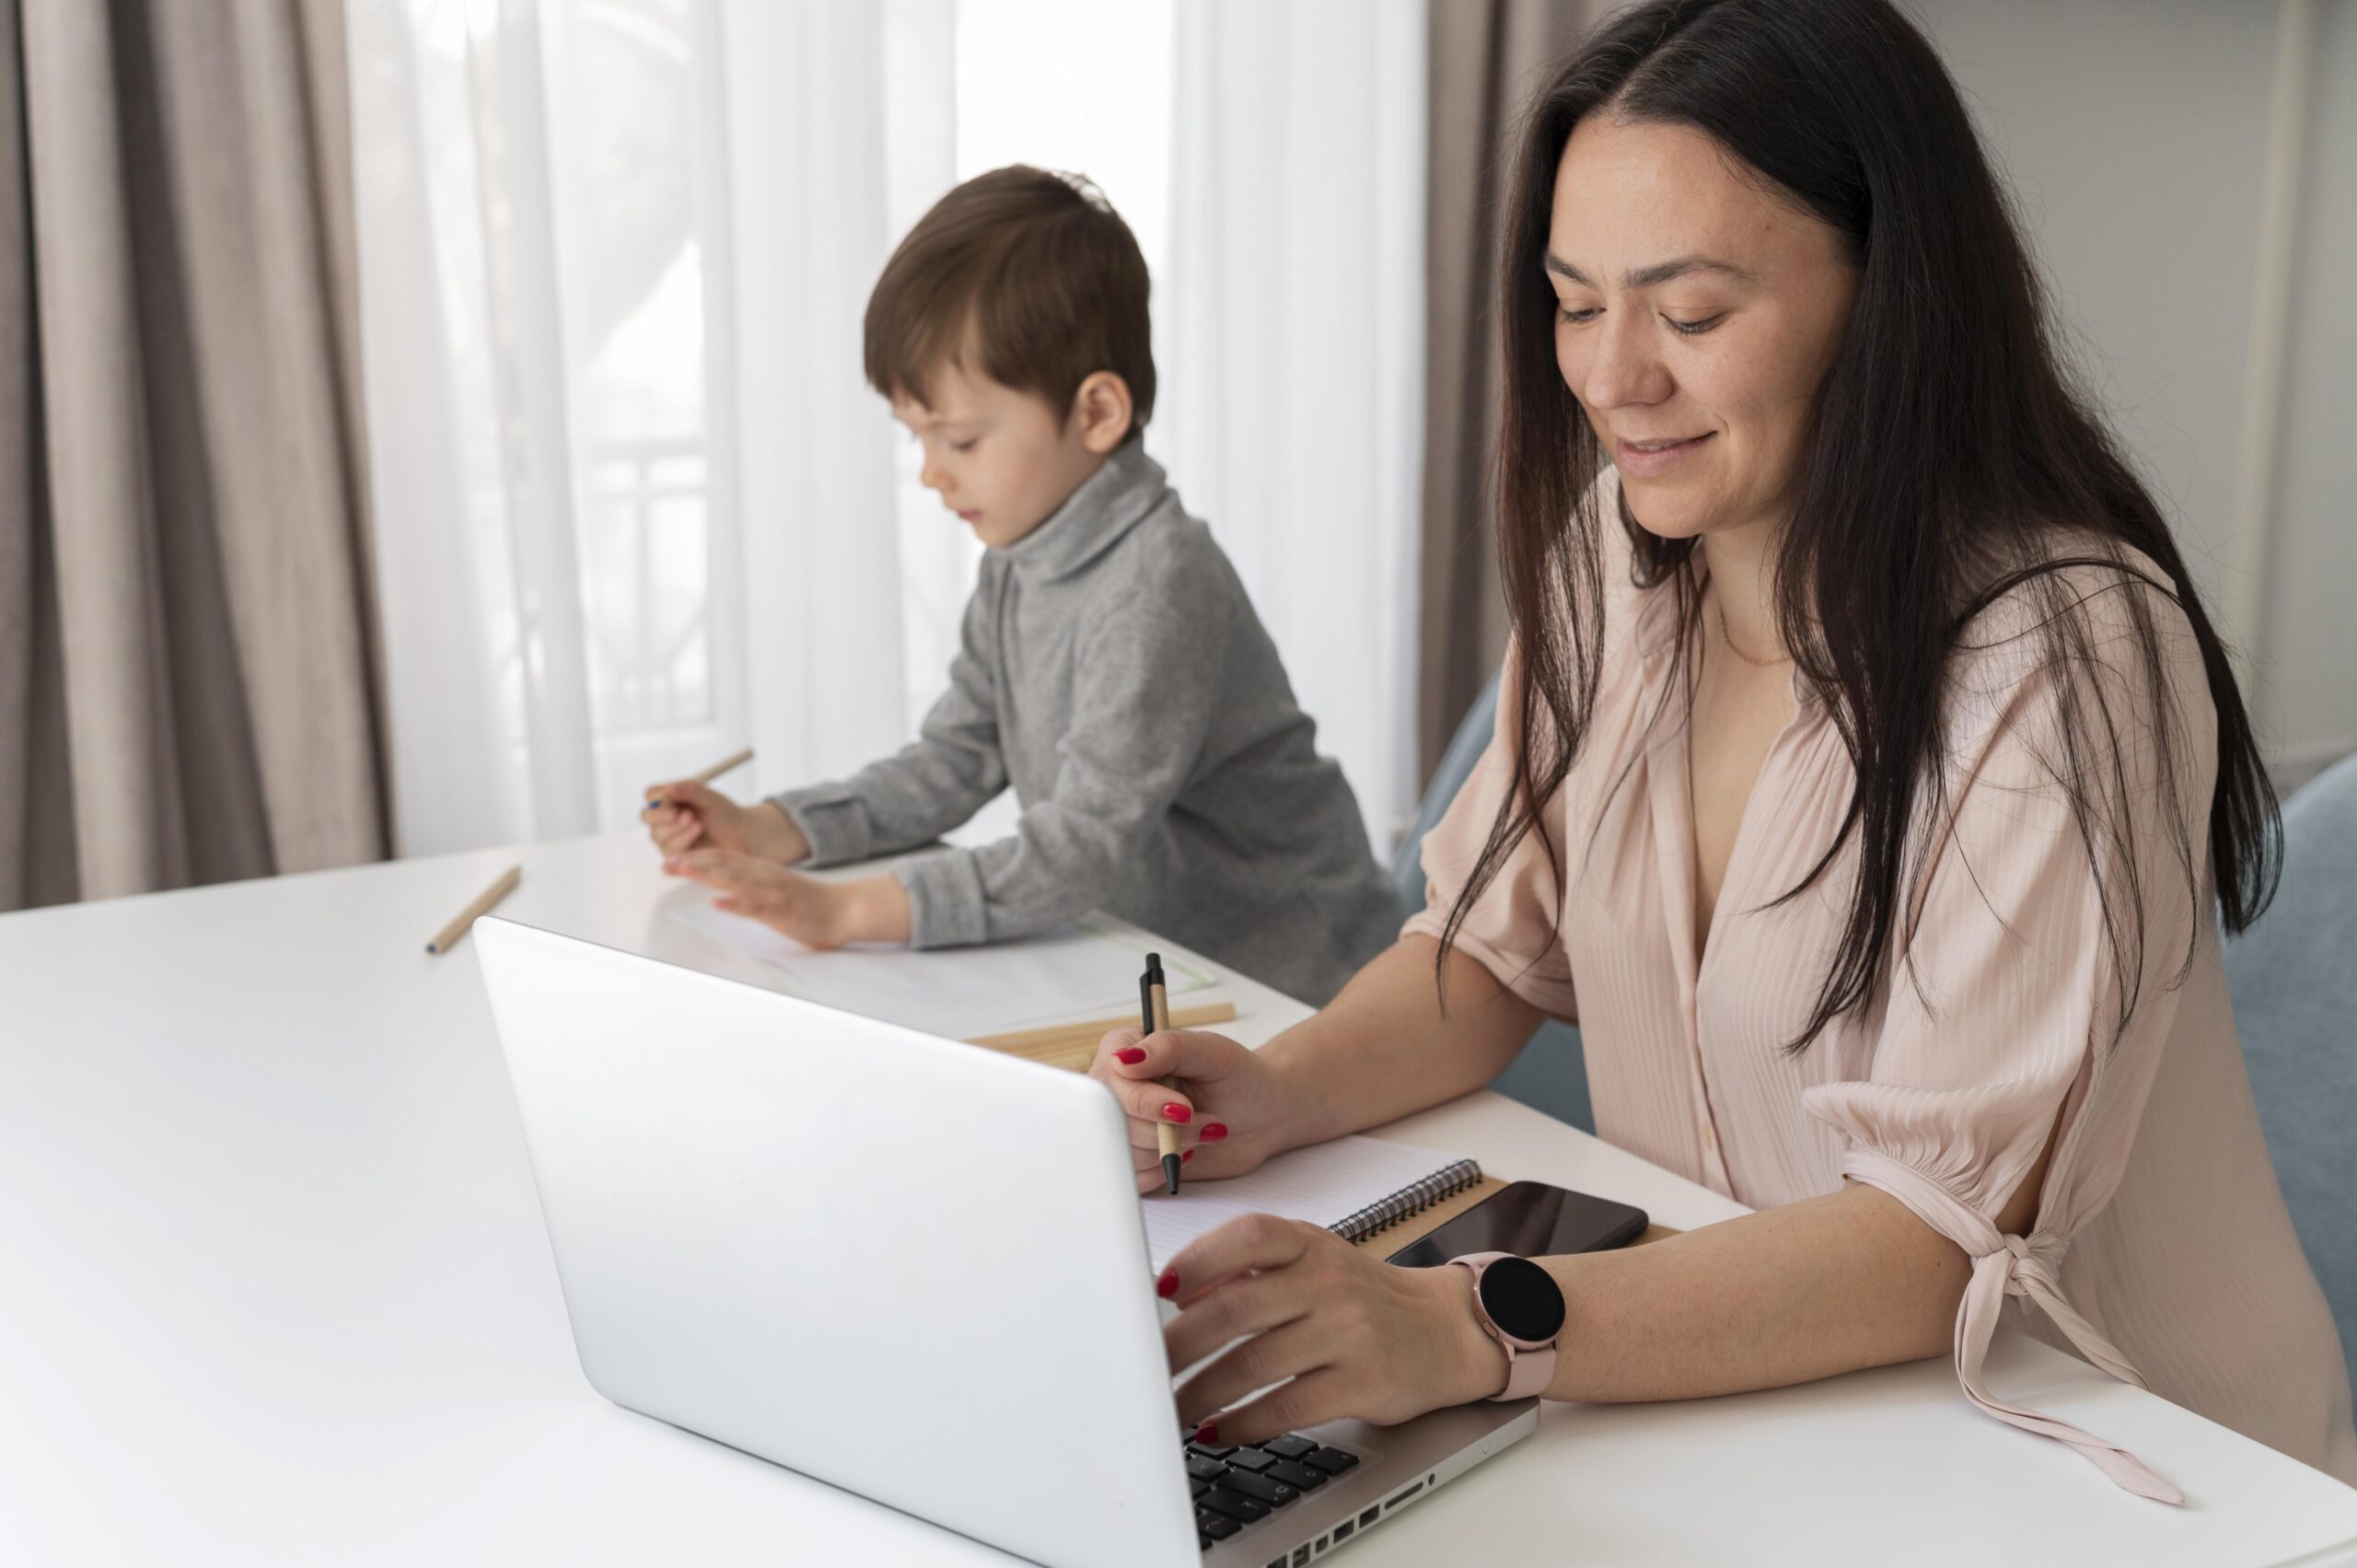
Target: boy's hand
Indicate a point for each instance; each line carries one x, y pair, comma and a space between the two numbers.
815, 913
693, 814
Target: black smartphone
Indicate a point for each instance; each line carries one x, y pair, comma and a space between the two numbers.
1529, 1219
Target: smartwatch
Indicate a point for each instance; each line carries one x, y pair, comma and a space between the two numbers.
1520, 1305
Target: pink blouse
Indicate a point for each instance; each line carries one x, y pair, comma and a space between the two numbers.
2161, 1251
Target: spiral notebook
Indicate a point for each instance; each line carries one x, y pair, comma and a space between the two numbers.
1354, 1187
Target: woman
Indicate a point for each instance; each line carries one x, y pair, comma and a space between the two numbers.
1865, 774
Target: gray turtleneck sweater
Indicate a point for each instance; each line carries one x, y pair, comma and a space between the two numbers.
1113, 670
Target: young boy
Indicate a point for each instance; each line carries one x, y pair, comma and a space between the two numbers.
1112, 667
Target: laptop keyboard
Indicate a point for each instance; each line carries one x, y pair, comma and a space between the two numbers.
1236, 1486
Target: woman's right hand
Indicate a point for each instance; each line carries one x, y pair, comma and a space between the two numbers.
1231, 1109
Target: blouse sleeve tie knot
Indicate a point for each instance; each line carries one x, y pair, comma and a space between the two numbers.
2013, 1265
2030, 1270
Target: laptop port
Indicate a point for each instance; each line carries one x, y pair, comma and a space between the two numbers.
1371, 1515
1343, 1531
1404, 1494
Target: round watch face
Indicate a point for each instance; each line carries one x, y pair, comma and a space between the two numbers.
1523, 1299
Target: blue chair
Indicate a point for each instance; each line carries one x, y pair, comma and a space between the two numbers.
1551, 1074
2294, 976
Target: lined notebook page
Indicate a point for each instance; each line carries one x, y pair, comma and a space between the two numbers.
1324, 1184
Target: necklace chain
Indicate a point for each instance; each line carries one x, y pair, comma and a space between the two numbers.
1754, 662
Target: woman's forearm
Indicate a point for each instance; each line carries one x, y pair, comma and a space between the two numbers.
1786, 1295
1809, 1290
1826, 1285
1386, 1048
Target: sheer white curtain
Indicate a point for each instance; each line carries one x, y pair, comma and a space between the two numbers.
1291, 347
634, 505
843, 126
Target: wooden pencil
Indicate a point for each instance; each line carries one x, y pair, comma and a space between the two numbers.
446, 938
730, 763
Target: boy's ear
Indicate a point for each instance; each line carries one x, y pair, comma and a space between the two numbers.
1101, 411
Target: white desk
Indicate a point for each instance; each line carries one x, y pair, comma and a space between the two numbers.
274, 1288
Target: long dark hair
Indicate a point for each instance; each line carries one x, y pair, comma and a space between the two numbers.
1945, 445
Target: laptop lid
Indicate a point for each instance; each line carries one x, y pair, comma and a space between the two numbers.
900, 1264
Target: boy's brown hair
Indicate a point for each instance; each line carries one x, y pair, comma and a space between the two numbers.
1036, 273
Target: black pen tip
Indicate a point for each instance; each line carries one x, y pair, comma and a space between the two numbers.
1170, 1172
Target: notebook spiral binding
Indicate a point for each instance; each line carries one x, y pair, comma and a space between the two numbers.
1408, 1201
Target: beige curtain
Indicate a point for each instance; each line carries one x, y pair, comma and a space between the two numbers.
187, 689
1487, 57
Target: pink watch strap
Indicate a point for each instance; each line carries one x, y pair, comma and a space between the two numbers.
1529, 1367
1527, 1373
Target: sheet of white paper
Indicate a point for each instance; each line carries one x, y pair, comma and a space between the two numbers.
958, 992
1324, 1183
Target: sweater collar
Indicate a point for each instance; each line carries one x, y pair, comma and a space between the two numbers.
1109, 503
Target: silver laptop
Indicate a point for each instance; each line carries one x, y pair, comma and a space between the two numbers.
906, 1266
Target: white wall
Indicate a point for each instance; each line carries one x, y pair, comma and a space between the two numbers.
2135, 134
2310, 695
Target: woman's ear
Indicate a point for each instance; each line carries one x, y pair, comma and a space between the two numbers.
1101, 411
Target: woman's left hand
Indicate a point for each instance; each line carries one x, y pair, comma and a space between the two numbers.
1357, 1336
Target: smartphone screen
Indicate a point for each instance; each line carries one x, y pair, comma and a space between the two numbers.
1529, 1219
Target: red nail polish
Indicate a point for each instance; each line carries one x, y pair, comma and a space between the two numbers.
1167, 1285
1174, 1111
1129, 1056
1185, 1157
1208, 1434
1213, 1131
